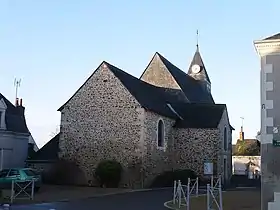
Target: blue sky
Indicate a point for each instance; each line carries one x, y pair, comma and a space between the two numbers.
54, 45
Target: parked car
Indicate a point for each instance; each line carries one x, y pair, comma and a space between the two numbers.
23, 175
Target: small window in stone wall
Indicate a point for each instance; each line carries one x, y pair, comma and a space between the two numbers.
160, 134
225, 139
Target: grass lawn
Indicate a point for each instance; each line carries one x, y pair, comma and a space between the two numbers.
232, 200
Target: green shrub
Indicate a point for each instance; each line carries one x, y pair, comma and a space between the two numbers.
166, 179
108, 173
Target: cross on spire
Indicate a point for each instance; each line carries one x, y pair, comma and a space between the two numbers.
197, 40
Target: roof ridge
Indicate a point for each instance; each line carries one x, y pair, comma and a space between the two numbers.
185, 81
162, 58
128, 74
273, 37
177, 68
156, 53
6, 100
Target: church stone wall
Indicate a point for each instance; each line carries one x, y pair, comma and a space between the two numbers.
102, 121
157, 160
158, 75
225, 157
195, 146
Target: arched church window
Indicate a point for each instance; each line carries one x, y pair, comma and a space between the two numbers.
225, 139
160, 134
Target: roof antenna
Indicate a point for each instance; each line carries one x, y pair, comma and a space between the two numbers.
197, 40
17, 85
242, 120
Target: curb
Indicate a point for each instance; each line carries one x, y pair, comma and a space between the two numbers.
165, 204
246, 187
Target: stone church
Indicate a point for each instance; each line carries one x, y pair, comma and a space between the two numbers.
165, 120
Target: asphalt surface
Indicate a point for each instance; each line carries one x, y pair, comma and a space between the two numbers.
149, 200
145, 200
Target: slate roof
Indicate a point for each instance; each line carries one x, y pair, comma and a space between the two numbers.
14, 117
197, 59
195, 115
199, 115
150, 97
275, 36
204, 113
192, 89
49, 152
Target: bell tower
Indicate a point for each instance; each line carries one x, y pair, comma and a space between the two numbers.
197, 69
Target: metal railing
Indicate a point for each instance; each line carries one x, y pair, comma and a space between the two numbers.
214, 194
20, 188
182, 193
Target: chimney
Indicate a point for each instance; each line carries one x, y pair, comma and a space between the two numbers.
16, 104
20, 108
241, 134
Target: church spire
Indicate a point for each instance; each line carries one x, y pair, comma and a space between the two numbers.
197, 68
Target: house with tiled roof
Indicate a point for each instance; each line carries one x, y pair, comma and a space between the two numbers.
165, 120
245, 146
14, 134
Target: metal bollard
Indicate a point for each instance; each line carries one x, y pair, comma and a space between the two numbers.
174, 191
208, 197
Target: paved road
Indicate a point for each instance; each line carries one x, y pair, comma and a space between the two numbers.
150, 200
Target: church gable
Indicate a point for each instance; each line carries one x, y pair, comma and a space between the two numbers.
101, 85
190, 88
156, 73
